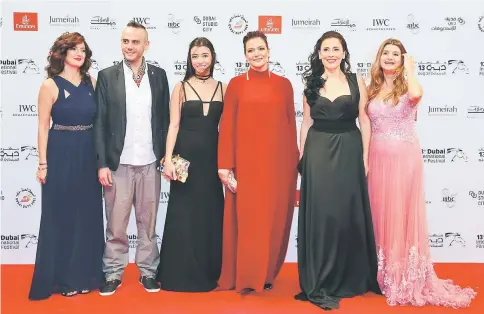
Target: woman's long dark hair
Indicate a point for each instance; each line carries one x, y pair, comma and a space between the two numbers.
199, 42
313, 76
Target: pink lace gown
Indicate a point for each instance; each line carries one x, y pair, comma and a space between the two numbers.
395, 184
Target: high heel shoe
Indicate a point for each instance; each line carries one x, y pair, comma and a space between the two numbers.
301, 296
246, 291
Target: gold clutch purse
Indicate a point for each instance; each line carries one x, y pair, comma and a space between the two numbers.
181, 167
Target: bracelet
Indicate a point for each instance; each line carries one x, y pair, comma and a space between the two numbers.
43, 164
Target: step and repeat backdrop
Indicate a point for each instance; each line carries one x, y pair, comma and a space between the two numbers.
445, 38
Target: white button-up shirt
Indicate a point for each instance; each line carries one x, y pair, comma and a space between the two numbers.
138, 142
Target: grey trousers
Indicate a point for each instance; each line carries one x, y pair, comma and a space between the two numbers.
138, 185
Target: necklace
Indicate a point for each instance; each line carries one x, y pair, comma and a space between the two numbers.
201, 78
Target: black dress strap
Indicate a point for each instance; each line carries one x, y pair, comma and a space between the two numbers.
193, 91
354, 89
184, 92
221, 91
215, 92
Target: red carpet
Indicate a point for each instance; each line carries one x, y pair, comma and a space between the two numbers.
132, 299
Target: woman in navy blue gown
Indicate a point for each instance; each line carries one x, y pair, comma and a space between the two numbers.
71, 234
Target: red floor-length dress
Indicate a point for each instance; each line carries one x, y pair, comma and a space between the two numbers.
258, 140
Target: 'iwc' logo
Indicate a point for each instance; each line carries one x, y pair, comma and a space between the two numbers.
238, 24
25, 198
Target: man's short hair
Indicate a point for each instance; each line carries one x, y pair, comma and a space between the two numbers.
136, 25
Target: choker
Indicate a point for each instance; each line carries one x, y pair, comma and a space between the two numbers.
202, 78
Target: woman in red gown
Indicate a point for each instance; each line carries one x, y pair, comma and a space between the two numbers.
258, 141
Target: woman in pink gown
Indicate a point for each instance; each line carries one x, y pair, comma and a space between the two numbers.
395, 183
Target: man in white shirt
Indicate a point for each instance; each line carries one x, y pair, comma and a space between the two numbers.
130, 129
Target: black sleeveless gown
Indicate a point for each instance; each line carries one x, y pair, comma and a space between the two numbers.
71, 234
191, 248
336, 246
